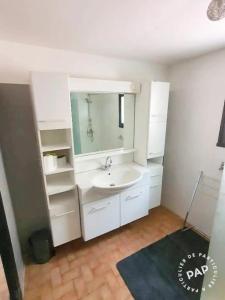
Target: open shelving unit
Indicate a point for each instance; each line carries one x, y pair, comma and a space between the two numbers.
59, 142
60, 184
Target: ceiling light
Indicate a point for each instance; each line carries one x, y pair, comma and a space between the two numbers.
216, 10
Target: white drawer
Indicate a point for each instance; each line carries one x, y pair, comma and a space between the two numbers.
65, 227
155, 180
134, 204
155, 170
100, 217
155, 195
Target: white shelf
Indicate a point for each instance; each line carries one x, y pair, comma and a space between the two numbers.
49, 148
62, 202
154, 165
96, 155
54, 125
53, 189
67, 168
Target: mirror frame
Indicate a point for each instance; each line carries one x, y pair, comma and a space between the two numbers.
84, 85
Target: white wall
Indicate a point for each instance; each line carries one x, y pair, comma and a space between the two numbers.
11, 223
195, 111
17, 60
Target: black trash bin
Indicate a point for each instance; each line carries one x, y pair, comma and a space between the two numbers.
41, 246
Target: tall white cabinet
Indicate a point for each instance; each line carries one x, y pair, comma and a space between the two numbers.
158, 108
150, 134
51, 97
159, 99
53, 115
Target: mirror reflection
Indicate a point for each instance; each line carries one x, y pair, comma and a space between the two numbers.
102, 121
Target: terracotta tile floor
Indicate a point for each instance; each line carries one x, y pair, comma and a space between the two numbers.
4, 294
88, 270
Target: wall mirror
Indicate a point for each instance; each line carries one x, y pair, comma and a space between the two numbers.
102, 121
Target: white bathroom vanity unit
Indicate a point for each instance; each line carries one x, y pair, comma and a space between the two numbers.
111, 205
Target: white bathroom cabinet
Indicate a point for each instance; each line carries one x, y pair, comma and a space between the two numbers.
151, 109
157, 119
54, 128
150, 134
51, 97
159, 100
156, 141
100, 217
111, 212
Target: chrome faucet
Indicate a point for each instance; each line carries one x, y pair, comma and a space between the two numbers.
108, 163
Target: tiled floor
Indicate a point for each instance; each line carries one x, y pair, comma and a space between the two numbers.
4, 294
88, 270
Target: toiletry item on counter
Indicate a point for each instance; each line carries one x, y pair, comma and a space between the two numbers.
61, 161
50, 162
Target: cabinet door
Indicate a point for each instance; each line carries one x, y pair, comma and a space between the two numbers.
155, 196
100, 217
159, 101
156, 141
155, 189
65, 227
51, 96
134, 205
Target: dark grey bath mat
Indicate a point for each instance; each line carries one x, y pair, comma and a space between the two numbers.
152, 272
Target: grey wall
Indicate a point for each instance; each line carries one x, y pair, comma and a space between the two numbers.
11, 222
195, 111
21, 159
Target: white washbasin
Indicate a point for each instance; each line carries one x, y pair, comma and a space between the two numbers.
116, 179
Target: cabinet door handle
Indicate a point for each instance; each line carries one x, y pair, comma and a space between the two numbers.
132, 197
63, 214
155, 176
94, 210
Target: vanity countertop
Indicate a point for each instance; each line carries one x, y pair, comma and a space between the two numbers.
84, 179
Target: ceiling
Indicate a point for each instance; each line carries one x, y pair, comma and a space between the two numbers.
160, 30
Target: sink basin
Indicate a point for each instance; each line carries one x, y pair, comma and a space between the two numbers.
117, 179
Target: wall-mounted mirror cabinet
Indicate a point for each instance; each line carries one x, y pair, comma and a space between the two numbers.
102, 121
